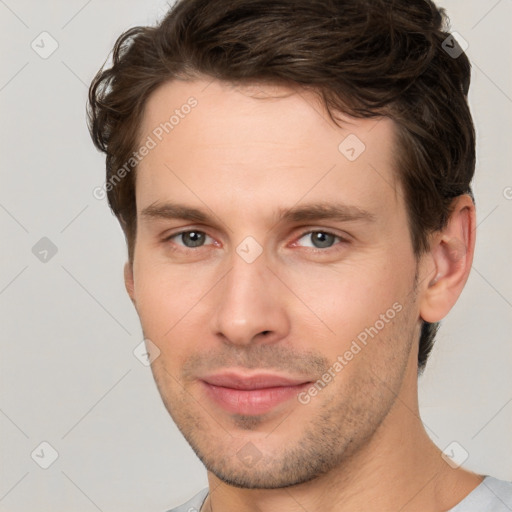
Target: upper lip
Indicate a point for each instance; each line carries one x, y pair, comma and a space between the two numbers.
253, 381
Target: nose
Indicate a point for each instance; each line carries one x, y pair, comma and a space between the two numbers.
251, 307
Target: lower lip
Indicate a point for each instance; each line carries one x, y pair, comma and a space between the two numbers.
253, 401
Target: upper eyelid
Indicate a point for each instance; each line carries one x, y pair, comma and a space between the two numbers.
296, 238
317, 230
326, 231
340, 238
301, 232
186, 229
183, 231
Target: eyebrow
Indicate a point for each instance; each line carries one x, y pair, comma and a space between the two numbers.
174, 211
303, 213
326, 211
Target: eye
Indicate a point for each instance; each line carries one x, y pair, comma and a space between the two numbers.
190, 239
318, 239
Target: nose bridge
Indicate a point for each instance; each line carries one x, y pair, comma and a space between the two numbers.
243, 283
248, 304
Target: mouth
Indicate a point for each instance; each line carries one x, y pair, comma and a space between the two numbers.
252, 394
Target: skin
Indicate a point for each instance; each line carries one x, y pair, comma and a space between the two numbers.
245, 157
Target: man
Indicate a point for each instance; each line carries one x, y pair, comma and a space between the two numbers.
293, 180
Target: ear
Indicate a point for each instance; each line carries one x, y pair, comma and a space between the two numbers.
128, 280
449, 261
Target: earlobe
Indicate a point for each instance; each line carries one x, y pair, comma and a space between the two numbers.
128, 280
451, 253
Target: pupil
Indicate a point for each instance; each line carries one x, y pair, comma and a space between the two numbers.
322, 240
193, 238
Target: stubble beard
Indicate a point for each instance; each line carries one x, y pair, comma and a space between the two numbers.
348, 418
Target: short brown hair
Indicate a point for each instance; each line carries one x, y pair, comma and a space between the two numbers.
366, 58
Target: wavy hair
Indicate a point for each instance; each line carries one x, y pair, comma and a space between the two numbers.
365, 58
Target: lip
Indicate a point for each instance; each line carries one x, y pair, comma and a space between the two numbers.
251, 394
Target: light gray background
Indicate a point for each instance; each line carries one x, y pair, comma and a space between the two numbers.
68, 374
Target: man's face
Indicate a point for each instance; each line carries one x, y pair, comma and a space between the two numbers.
274, 271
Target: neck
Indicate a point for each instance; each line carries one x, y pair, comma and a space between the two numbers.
399, 468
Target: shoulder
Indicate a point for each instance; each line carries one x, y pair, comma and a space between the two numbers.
492, 495
194, 504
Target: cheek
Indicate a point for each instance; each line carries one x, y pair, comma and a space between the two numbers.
163, 298
350, 298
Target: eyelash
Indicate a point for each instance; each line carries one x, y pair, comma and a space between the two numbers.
181, 247
338, 240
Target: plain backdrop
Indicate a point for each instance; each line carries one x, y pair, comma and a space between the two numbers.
68, 374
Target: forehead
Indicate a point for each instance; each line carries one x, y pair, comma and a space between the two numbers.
261, 140
221, 105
